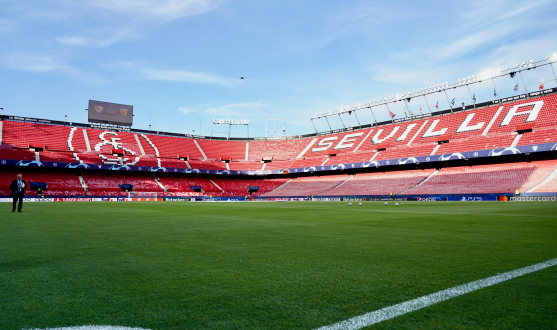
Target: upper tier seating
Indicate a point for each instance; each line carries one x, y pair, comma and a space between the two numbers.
477, 129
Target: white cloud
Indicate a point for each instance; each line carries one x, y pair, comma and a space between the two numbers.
470, 43
33, 62
521, 10
43, 63
166, 10
128, 19
184, 76
237, 109
232, 110
170, 75
90, 42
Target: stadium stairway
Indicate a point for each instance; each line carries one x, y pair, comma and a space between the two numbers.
548, 184
338, 185
421, 182
216, 185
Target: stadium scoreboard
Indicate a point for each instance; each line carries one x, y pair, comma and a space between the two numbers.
110, 113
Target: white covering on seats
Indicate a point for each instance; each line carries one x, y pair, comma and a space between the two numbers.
86, 137
247, 150
492, 120
70, 138
200, 150
307, 148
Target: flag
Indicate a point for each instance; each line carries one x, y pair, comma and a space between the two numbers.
516, 87
452, 102
437, 105
463, 104
405, 114
494, 92
421, 112
474, 97
391, 114
541, 86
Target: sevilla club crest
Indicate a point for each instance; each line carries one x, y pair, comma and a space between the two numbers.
98, 108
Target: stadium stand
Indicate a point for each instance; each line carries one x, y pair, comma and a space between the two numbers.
59, 183
519, 123
477, 129
479, 179
239, 187
380, 183
98, 183
307, 186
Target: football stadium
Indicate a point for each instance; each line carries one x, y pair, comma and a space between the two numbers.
434, 208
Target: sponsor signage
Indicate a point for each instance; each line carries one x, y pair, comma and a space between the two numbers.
533, 198
110, 113
552, 146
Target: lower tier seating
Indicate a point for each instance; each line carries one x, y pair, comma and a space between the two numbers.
538, 176
480, 179
380, 183
307, 186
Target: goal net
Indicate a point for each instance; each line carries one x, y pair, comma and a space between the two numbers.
142, 194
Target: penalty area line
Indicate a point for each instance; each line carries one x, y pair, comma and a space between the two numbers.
390, 312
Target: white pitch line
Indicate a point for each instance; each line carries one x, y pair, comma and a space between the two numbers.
390, 312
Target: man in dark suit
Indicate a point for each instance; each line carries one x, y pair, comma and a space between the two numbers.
18, 191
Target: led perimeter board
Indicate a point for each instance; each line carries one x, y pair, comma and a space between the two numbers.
110, 113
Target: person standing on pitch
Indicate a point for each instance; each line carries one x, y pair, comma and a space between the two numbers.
18, 191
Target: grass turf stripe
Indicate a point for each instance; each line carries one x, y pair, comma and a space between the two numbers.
93, 327
390, 312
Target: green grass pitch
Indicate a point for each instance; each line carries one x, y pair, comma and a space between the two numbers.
184, 265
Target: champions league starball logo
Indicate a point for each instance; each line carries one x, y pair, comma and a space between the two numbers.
411, 160
120, 168
337, 167
310, 169
80, 165
157, 169
369, 164
456, 155
28, 163
505, 151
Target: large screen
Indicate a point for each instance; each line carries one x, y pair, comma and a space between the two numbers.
110, 113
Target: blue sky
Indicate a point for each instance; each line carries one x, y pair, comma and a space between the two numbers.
179, 61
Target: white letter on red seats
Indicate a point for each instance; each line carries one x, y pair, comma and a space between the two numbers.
464, 126
430, 132
532, 113
347, 138
325, 144
376, 140
406, 131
